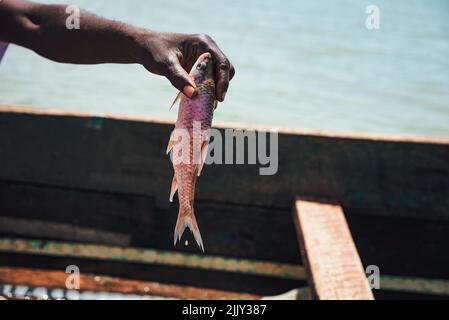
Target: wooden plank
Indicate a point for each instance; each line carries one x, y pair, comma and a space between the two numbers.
418, 285
196, 277
42, 229
99, 283
330, 255
390, 285
222, 124
151, 256
377, 176
228, 229
419, 250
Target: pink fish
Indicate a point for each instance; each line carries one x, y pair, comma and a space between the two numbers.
189, 142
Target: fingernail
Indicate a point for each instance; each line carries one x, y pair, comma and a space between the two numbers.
189, 91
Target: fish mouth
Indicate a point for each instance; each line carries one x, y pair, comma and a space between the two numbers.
202, 62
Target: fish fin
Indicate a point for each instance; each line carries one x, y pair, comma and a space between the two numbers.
178, 97
171, 143
203, 157
174, 187
188, 221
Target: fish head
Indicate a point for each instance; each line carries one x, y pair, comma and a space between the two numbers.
202, 70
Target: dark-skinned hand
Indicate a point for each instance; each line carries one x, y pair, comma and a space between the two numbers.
173, 54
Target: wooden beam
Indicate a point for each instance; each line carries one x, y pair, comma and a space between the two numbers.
415, 284
56, 112
200, 278
152, 256
43, 229
46, 212
329, 253
97, 283
121, 155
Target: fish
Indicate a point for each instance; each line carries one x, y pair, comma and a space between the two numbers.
189, 142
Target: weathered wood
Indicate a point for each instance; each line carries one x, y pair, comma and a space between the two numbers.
391, 286
185, 276
418, 285
375, 175
228, 230
42, 229
108, 175
329, 253
419, 250
151, 256
99, 283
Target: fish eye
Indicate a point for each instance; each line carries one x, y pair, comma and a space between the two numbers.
200, 66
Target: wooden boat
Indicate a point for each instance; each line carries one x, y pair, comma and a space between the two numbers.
92, 191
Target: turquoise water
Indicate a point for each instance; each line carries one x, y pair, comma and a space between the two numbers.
305, 64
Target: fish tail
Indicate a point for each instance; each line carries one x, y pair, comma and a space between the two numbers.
184, 221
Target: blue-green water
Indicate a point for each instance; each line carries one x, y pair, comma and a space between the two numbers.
306, 64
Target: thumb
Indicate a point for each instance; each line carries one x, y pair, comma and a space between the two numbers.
180, 79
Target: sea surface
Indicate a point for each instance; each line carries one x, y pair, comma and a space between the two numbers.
303, 64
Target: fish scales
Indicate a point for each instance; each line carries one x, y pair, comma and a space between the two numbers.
189, 142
